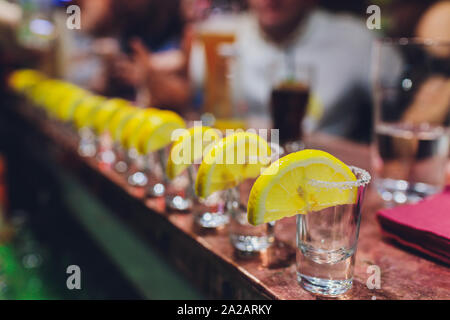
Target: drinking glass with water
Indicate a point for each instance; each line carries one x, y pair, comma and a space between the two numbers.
411, 86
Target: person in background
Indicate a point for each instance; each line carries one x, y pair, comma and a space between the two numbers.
432, 103
154, 58
435, 22
337, 46
140, 47
404, 15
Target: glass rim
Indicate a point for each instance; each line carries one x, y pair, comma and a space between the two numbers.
363, 180
417, 41
276, 151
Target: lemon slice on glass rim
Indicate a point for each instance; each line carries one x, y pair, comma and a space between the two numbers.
21, 80
69, 103
230, 161
119, 120
106, 112
85, 111
128, 133
156, 131
189, 148
287, 187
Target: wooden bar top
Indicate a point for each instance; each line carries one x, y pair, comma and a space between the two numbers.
208, 259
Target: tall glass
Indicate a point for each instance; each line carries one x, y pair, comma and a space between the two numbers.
291, 81
412, 115
327, 239
216, 32
245, 237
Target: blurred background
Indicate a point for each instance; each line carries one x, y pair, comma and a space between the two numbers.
157, 54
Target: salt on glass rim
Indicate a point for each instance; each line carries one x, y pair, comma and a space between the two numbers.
363, 180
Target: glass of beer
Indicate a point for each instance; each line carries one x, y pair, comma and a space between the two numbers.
217, 34
289, 99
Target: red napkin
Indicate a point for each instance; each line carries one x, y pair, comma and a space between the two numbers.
424, 226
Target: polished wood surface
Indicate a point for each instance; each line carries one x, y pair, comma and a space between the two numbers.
208, 259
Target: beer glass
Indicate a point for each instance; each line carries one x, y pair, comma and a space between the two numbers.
217, 33
290, 92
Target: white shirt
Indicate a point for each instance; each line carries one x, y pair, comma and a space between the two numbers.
338, 47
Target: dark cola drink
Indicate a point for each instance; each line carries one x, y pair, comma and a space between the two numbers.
288, 108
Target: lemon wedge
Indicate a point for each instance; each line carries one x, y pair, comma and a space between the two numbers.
106, 112
119, 119
41, 93
284, 189
156, 131
53, 96
69, 102
84, 113
129, 133
189, 148
23, 79
230, 161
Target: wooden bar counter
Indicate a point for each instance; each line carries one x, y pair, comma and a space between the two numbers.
207, 259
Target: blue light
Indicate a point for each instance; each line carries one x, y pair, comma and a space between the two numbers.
41, 27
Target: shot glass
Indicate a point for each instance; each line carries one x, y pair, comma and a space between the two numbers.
244, 237
147, 171
180, 193
327, 239
155, 172
105, 151
210, 212
87, 146
122, 161
138, 167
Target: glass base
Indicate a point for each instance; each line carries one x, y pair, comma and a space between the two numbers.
324, 287
178, 203
121, 166
156, 190
87, 149
211, 220
251, 243
138, 179
107, 156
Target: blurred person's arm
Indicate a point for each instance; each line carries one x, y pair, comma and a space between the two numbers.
163, 75
167, 80
432, 102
